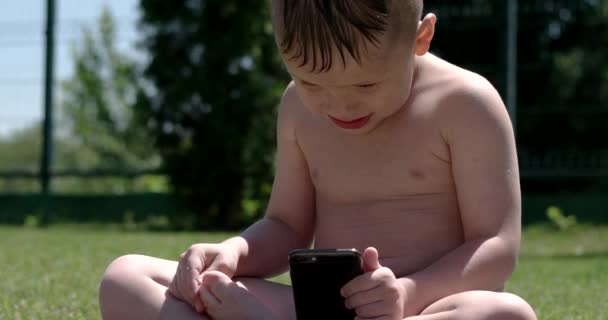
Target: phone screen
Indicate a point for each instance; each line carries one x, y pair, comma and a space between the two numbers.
317, 277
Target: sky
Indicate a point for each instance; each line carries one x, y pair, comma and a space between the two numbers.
22, 26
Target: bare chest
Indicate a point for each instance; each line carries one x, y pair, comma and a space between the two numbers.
394, 162
392, 190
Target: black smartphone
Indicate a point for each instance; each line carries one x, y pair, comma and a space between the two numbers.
317, 275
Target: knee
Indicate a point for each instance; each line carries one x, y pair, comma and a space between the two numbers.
116, 276
510, 306
121, 268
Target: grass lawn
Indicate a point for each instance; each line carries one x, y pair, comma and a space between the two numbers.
54, 273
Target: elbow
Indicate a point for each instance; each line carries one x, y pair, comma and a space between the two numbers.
509, 252
510, 264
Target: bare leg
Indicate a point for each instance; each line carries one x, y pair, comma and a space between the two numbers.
478, 305
135, 287
245, 298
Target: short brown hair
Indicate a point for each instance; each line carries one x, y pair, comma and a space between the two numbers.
309, 30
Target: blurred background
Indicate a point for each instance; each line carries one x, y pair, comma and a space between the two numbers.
160, 115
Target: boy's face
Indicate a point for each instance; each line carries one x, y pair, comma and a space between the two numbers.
355, 97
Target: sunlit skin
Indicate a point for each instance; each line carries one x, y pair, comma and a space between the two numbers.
372, 91
405, 157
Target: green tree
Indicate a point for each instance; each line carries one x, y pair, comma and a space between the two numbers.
97, 106
215, 83
580, 75
21, 149
562, 79
20, 152
563, 93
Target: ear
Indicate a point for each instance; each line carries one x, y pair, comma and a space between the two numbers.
424, 36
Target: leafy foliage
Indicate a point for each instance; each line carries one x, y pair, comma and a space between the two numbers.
215, 80
559, 220
97, 126
567, 88
97, 105
562, 81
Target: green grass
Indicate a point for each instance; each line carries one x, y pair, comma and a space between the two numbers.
564, 274
54, 273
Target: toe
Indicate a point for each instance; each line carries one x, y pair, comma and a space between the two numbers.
218, 283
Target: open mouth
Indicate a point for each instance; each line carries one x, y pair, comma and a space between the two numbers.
351, 124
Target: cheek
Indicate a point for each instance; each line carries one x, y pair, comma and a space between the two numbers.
399, 98
398, 94
389, 101
313, 101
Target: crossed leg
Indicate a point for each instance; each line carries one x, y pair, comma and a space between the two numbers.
482, 305
470, 305
135, 287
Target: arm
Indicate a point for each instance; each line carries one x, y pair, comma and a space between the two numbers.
289, 220
485, 171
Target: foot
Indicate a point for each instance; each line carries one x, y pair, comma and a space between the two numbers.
225, 299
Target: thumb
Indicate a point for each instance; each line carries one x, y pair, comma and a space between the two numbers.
370, 260
221, 265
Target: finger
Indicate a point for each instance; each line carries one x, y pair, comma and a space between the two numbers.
173, 290
192, 290
194, 265
370, 260
197, 302
210, 301
360, 283
199, 306
178, 278
175, 285
374, 310
363, 298
190, 271
184, 285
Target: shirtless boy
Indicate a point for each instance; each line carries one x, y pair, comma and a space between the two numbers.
382, 147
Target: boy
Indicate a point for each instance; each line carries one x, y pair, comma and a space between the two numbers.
382, 147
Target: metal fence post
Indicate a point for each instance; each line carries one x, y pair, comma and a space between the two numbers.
511, 30
47, 132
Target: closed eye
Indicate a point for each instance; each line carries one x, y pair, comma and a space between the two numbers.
309, 85
367, 85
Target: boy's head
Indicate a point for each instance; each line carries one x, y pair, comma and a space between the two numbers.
309, 31
355, 57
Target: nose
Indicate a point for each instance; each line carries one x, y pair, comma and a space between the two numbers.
340, 102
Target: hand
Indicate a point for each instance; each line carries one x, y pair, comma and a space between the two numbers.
193, 262
229, 300
376, 294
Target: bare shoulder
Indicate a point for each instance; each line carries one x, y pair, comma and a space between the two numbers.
466, 102
292, 196
291, 113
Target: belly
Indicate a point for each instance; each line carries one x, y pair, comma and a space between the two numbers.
410, 232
